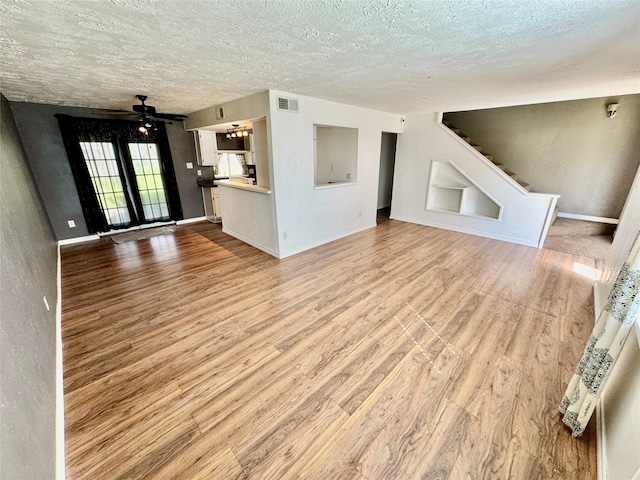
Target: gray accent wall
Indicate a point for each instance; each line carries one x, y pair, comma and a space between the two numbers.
27, 328
571, 148
183, 150
47, 156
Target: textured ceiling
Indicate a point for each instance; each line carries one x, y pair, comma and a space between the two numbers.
394, 55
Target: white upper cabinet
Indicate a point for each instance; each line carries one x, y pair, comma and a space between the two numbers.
206, 147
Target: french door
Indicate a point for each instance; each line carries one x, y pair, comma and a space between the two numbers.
128, 181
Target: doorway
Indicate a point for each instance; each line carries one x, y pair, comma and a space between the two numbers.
124, 176
128, 182
385, 177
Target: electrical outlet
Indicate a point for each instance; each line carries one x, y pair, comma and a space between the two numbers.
189, 166
71, 223
199, 172
348, 176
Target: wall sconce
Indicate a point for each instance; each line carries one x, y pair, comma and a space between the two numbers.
612, 110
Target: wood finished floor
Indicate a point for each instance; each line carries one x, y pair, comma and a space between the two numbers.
402, 352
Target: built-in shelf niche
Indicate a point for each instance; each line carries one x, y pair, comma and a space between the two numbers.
451, 191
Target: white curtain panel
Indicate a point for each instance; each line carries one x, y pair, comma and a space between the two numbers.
604, 345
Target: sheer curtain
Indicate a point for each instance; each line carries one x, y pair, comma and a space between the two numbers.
604, 345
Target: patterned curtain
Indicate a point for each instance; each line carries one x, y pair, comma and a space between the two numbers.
604, 345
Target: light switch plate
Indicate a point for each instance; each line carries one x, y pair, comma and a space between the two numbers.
199, 172
189, 166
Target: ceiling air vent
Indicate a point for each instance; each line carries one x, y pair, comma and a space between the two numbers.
288, 104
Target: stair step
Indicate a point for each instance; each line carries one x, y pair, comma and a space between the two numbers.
514, 176
455, 130
501, 166
466, 139
526, 186
477, 147
564, 227
446, 122
488, 157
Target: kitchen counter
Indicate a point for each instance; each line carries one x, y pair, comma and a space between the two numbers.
243, 186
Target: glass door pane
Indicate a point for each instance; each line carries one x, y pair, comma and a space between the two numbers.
100, 158
149, 180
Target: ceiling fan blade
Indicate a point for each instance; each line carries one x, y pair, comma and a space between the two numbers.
170, 116
115, 115
106, 111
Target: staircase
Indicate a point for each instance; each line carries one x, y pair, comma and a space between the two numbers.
489, 157
579, 237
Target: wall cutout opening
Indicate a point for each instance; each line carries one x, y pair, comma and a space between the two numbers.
336, 154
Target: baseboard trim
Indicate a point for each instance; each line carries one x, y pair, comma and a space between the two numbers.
60, 447
588, 218
191, 220
71, 241
242, 238
502, 238
324, 241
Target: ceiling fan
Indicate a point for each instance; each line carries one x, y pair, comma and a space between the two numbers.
145, 114
149, 110
148, 115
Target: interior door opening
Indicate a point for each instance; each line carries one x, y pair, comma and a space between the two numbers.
385, 177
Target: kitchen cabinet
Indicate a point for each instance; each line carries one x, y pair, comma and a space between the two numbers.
211, 200
206, 147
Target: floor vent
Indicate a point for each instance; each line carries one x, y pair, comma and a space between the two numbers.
287, 104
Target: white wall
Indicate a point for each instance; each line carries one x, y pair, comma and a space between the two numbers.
619, 408
309, 216
620, 405
250, 217
425, 140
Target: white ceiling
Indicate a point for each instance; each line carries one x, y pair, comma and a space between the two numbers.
394, 55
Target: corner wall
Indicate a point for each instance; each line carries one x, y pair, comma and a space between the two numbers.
27, 328
308, 216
